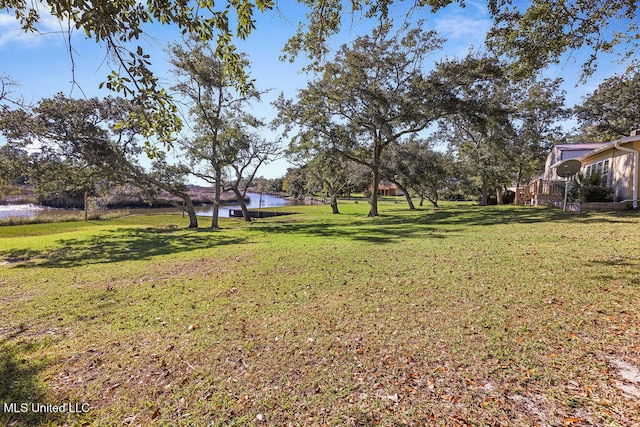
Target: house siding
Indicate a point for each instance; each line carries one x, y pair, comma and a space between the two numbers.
621, 169
563, 152
622, 175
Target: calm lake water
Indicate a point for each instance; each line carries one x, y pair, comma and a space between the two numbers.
256, 201
24, 211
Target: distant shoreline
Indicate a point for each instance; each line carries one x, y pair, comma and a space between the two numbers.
125, 197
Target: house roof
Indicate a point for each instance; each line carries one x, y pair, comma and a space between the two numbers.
608, 145
581, 146
386, 186
572, 151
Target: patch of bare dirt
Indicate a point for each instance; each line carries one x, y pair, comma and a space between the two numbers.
628, 373
533, 404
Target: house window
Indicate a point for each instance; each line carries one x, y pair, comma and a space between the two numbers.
605, 173
601, 168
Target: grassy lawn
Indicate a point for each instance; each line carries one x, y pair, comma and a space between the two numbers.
461, 316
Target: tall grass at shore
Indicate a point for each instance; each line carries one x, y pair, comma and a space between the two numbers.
65, 217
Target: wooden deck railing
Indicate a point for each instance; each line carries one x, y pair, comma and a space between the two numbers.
541, 192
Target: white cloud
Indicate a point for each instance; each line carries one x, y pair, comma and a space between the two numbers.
463, 28
9, 29
458, 27
11, 34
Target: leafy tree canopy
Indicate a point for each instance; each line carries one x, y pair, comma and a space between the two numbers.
372, 94
118, 24
534, 34
612, 111
77, 144
417, 166
539, 32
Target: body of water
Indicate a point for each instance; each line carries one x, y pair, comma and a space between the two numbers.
22, 211
256, 201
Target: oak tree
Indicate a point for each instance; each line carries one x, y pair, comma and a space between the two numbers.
78, 143
538, 109
479, 131
612, 110
416, 166
223, 144
334, 175
372, 94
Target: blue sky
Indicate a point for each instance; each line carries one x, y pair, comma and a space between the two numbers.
42, 66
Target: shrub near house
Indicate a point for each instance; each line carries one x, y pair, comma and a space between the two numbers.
590, 188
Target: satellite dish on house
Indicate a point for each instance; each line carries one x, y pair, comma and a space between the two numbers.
568, 168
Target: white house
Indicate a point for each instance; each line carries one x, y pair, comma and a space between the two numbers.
617, 161
562, 152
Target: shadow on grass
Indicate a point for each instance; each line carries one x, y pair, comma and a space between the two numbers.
494, 215
434, 224
129, 244
19, 387
618, 267
382, 229
142, 244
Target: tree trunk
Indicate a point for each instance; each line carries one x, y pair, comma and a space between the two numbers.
373, 202
193, 218
499, 194
421, 199
216, 200
243, 204
409, 201
86, 208
406, 195
484, 193
188, 203
334, 203
516, 200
